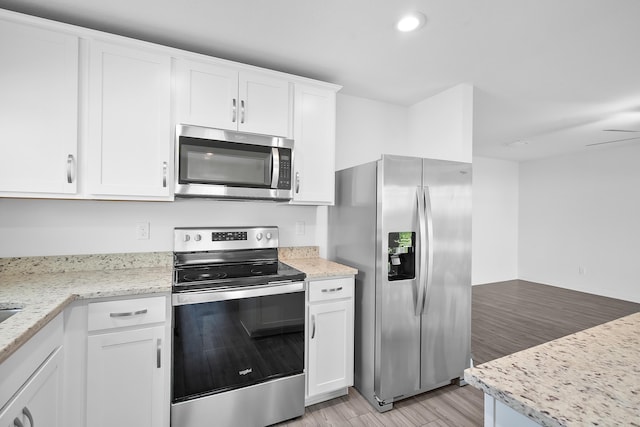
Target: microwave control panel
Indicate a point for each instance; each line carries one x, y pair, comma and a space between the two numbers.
284, 179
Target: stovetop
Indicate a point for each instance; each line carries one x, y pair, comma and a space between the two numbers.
227, 257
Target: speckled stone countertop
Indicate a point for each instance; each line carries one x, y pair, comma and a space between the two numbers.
591, 377
306, 258
44, 286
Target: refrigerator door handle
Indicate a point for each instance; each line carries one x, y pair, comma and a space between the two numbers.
422, 238
427, 243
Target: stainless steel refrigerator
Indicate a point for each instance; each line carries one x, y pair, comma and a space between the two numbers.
405, 224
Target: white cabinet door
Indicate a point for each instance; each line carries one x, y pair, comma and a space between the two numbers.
38, 110
330, 364
265, 105
314, 153
125, 378
129, 146
207, 95
223, 97
39, 401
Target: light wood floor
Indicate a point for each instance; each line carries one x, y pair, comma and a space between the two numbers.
506, 317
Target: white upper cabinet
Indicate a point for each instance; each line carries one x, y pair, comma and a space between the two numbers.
129, 138
38, 111
314, 151
218, 96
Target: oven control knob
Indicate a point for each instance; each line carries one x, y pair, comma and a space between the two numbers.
259, 236
197, 237
187, 237
268, 236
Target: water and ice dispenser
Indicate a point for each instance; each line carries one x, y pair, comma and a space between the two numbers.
402, 255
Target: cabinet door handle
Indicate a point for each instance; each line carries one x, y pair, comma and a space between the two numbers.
70, 169
313, 326
17, 423
159, 353
129, 313
297, 182
164, 174
27, 413
332, 289
242, 111
233, 111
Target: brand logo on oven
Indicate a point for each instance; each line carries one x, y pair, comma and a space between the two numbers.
245, 371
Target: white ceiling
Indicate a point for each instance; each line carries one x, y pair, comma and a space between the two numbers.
551, 74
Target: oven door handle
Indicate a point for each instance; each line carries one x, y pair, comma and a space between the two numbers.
236, 293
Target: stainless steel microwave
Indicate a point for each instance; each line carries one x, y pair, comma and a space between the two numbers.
224, 164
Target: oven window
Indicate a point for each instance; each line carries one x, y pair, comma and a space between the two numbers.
220, 346
219, 162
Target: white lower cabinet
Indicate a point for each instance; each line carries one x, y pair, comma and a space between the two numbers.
32, 378
128, 363
38, 403
125, 372
329, 338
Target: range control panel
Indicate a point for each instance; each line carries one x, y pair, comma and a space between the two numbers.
194, 239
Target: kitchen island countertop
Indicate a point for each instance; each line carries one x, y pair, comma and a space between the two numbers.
591, 377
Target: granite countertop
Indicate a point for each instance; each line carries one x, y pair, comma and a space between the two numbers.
306, 259
44, 286
591, 377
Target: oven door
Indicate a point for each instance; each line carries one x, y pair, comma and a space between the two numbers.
225, 340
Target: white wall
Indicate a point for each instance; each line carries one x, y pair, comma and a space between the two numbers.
31, 227
582, 211
365, 129
441, 127
495, 220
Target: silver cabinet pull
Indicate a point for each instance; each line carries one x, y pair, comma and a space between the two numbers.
242, 113
159, 353
129, 313
70, 169
313, 326
27, 413
332, 289
297, 182
164, 174
17, 423
233, 111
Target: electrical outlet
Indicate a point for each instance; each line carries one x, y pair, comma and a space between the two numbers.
581, 270
142, 231
299, 228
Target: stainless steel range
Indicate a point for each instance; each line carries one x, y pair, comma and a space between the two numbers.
238, 329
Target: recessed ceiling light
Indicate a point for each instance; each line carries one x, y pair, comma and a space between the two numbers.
411, 22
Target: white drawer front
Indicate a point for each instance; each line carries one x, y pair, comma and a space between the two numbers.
322, 290
131, 312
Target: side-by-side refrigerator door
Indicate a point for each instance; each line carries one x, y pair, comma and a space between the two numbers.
446, 321
397, 336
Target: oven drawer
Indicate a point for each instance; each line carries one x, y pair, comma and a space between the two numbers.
322, 290
129, 312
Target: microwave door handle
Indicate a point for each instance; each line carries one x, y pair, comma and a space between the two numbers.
275, 167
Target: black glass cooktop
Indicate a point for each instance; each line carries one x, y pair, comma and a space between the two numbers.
215, 276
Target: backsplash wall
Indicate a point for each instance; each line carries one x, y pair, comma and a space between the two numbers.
36, 227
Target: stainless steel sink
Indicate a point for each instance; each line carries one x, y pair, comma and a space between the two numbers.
6, 313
